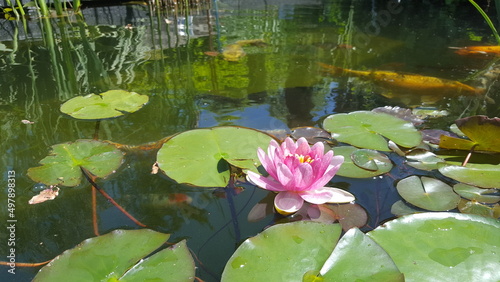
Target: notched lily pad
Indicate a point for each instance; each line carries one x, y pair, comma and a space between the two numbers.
368, 130
428, 193
473, 207
349, 169
62, 166
371, 160
110, 104
120, 256
483, 132
201, 157
482, 175
477, 194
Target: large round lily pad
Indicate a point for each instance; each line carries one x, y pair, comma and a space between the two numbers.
349, 169
283, 252
367, 130
428, 193
442, 246
201, 157
119, 256
62, 165
482, 175
358, 258
110, 104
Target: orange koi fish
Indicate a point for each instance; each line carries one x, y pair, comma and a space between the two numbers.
478, 50
429, 88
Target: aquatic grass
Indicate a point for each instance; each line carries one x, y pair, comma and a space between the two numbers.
487, 19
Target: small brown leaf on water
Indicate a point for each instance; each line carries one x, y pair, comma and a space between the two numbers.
45, 195
155, 168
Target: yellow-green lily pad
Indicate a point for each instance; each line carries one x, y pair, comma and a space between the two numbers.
428, 193
62, 165
483, 132
110, 104
371, 160
473, 207
369, 130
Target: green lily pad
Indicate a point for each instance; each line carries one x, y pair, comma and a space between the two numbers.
442, 246
371, 160
358, 258
428, 193
349, 169
424, 160
367, 130
110, 104
477, 194
473, 207
62, 165
399, 208
283, 252
201, 157
119, 256
482, 175
483, 132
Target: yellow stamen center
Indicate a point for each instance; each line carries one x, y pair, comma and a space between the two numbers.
304, 159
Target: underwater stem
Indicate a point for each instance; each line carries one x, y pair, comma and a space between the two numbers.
487, 19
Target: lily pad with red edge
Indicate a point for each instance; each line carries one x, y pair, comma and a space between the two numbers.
477, 194
349, 169
110, 104
371, 160
442, 246
283, 252
312, 134
481, 175
369, 130
62, 166
428, 193
358, 258
122, 255
473, 207
483, 132
201, 157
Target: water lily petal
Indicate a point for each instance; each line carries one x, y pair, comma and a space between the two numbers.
274, 150
302, 147
288, 202
327, 195
318, 150
267, 163
285, 176
320, 165
289, 147
267, 183
303, 177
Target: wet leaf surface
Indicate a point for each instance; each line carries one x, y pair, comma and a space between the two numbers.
428, 193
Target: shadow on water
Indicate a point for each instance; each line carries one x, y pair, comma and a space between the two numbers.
176, 58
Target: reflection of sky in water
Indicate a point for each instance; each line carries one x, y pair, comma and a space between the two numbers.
327, 105
254, 116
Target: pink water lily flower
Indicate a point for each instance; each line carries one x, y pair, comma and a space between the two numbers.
299, 173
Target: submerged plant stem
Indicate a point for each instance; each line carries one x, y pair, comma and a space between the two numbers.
487, 19
94, 212
87, 175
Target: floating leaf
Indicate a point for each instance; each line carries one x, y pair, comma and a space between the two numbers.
367, 130
428, 193
399, 208
283, 252
119, 256
348, 215
442, 246
110, 104
423, 159
358, 258
371, 160
482, 175
62, 166
349, 169
473, 207
477, 194
312, 134
45, 195
483, 132
402, 113
201, 157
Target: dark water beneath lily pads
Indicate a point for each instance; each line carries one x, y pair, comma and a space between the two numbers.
170, 56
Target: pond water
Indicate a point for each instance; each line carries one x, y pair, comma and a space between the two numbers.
175, 57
